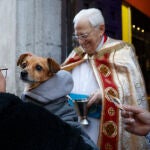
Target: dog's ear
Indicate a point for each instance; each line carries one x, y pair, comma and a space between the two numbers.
22, 57
53, 65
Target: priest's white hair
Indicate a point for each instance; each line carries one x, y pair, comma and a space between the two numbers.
94, 16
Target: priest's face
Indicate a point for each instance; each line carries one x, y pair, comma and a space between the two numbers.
88, 37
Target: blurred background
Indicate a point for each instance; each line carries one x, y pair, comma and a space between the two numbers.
45, 27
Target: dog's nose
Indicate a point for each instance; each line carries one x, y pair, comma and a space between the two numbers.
24, 74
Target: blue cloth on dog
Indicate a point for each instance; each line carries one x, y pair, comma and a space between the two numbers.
94, 111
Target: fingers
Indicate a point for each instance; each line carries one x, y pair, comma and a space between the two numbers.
91, 101
129, 124
133, 109
129, 129
126, 114
2, 78
2, 83
94, 98
129, 121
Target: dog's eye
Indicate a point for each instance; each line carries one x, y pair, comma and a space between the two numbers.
23, 65
38, 67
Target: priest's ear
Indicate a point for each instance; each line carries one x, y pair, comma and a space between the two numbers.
102, 29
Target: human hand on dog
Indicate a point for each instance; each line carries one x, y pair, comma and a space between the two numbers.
2, 83
95, 98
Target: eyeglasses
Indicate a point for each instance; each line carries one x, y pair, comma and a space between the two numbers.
4, 71
82, 36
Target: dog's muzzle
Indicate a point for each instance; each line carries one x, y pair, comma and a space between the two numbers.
24, 75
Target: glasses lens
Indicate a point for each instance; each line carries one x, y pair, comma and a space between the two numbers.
75, 42
74, 37
83, 36
80, 37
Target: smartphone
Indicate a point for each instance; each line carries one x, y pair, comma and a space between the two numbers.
3, 68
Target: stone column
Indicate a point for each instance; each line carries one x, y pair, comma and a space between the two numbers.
28, 26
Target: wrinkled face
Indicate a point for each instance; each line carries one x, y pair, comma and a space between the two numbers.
37, 69
88, 37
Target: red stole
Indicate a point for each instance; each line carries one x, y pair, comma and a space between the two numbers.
108, 135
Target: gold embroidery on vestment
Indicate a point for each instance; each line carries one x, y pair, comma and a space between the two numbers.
104, 70
108, 146
111, 91
111, 111
110, 129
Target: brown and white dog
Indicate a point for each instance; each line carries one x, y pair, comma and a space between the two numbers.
46, 84
36, 70
48, 87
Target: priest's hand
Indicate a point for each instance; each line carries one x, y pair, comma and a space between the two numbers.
95, 98
2, 83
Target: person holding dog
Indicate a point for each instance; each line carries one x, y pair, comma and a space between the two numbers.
101, 66
26, 126
137, 121
48, 86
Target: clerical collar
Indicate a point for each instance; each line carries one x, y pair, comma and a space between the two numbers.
100, 44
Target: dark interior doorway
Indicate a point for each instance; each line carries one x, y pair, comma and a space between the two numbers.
141, 41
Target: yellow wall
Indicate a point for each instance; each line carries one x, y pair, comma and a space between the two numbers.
126, 24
